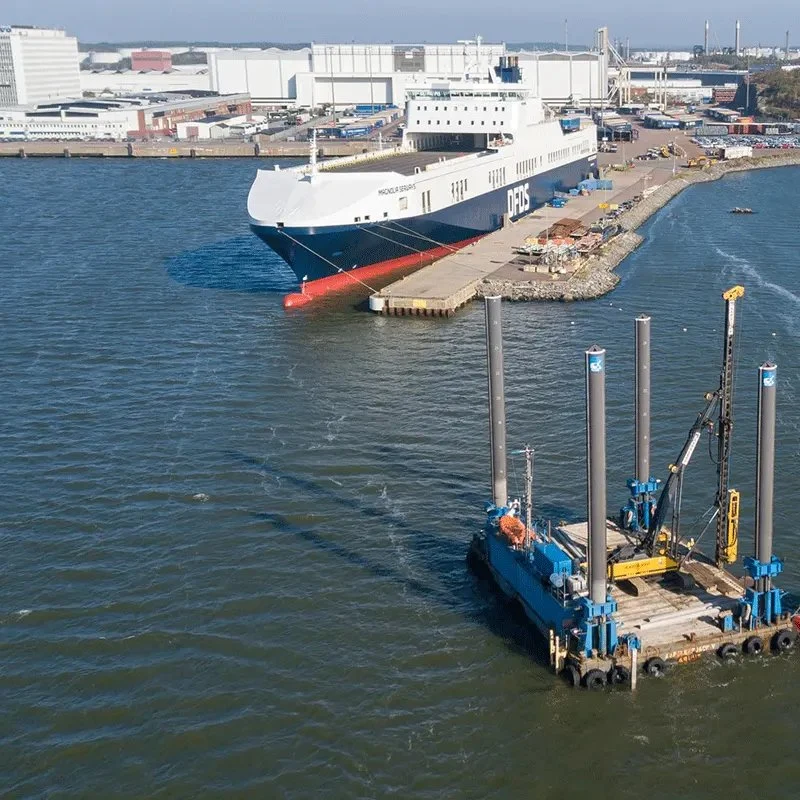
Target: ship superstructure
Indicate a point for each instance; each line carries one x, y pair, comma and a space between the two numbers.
474, 154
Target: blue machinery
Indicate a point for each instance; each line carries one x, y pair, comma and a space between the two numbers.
566, 592
637, 514
762, 601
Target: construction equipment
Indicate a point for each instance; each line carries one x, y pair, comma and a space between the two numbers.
728, 506
700, 162
658, 549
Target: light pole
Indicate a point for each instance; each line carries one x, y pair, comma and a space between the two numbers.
333, 91
371, 94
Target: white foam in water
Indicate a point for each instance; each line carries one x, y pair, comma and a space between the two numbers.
23, 612
201, 496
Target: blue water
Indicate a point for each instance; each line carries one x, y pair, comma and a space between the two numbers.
233, 538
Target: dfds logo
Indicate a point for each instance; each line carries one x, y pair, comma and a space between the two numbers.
519, 200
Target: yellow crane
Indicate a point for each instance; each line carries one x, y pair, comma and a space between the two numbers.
658, 550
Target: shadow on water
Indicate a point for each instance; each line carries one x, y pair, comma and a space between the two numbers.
239, 264
451, 588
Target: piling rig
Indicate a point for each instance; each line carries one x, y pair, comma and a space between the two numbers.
659, 548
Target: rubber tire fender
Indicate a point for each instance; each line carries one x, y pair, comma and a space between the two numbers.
571, 676
619, 675
783, 641
728, 651
655, 667
594, 679
753, 646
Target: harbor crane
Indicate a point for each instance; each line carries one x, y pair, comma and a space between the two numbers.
658, 549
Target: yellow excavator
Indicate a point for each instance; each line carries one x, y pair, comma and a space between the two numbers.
701, 161
658, 550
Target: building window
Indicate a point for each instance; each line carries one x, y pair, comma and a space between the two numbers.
403, 203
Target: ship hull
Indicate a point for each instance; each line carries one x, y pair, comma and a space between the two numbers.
329, 253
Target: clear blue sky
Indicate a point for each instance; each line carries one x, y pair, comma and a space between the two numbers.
666, 24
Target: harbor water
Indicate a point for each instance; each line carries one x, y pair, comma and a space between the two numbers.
234, 538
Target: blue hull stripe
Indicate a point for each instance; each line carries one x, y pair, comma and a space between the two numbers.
353, 246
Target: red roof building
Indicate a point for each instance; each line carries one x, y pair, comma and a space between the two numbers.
157, 60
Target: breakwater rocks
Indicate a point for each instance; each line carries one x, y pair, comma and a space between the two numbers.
596, 276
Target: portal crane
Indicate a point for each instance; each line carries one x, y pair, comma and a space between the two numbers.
657, 551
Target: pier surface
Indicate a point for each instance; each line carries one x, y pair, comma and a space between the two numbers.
262, 147
445, 286
490, 266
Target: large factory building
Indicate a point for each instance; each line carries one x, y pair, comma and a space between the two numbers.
349, 74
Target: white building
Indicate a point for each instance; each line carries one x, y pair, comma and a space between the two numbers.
113, 82
350, 74
37, 64
18, 125
566, 77
106, 58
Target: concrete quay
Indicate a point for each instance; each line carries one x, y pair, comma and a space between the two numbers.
489, 267
445, 286
262, 148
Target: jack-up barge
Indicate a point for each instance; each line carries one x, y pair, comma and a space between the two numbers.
614, 597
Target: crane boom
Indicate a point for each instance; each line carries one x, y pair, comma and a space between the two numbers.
658, 549
726, 500
676, 474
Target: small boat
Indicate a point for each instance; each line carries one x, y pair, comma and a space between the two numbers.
738, 210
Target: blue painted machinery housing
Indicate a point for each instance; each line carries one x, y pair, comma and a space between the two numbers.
550, 587
762, 603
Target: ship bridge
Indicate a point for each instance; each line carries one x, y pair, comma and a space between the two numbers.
471, 116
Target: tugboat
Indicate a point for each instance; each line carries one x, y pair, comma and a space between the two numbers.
738, 210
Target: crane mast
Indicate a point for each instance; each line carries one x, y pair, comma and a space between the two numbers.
658, 548
727, 499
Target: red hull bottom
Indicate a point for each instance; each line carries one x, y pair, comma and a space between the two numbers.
344, 281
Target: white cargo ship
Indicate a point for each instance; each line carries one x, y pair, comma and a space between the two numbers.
473, 153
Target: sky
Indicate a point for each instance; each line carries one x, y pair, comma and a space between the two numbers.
673, 24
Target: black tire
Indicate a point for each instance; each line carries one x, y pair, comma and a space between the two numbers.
655, 667
594, 680
783, 641
619, 675
571, 675
728, 651
753, 646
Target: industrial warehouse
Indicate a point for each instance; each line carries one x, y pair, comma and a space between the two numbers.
343, 74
